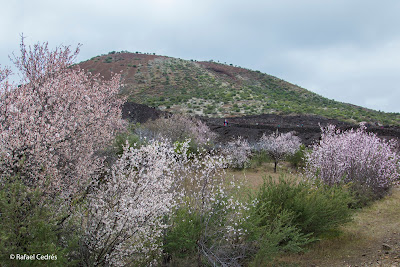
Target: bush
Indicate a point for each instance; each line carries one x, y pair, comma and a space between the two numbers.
181, 239
210, 237
29, 225
206, 224
317, 208
287, 215
297, 160
271, 236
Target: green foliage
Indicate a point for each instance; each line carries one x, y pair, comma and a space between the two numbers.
258, 158
128, 136
273, 236
201, 234
317, 209
181, 240
287, 215
193, 148
297, 159
29, 224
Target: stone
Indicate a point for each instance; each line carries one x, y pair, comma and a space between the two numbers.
386, 247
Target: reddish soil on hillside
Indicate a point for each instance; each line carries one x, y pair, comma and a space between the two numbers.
126, 63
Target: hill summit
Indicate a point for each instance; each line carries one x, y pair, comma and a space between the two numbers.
211, 89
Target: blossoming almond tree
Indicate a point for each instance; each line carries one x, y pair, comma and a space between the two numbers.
53, 123
354, 156
237, 152
279, 145
124, 217
127, 214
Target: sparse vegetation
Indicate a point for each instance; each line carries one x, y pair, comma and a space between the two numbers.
239, 90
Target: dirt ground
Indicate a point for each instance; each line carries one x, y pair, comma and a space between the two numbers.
371, 239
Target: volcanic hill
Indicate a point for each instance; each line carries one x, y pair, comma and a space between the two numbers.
219, 90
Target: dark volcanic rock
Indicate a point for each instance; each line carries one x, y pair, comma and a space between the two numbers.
307, 127
253, 127
134, 112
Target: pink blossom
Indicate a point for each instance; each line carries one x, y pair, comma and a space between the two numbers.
237, 152
279, 145
353, 156
48, 128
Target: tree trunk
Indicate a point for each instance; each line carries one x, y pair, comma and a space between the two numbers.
276, 163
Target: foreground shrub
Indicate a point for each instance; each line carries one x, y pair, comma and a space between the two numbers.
206, 224
287, 215
181, 239
29, 225
269, 237
215, 237
317, 209
365, 162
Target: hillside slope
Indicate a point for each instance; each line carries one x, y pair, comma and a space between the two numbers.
219, 90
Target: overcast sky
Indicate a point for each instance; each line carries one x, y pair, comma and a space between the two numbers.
347, 50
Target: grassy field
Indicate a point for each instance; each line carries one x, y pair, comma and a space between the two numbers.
372, 238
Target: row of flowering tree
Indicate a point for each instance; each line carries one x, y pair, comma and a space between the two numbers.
278, 146
55, 127
156, 199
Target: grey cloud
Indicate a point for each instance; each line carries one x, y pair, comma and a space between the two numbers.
346, 50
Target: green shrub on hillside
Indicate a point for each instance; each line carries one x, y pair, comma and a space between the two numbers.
269, 237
